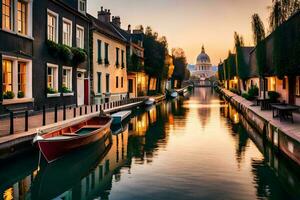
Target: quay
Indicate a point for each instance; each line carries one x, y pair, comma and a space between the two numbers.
282, 135
11, 145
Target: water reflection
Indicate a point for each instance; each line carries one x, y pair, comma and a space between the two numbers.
198, 147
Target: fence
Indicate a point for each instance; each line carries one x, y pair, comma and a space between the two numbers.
77, 111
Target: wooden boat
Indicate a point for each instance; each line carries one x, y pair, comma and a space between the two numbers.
56, 144
120, 116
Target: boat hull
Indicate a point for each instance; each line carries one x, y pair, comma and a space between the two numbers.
54, 149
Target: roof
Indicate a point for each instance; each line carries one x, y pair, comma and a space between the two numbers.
106, 28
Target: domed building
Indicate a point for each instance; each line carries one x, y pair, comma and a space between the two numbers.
203, 68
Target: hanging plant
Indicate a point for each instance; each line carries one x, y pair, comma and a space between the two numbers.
79, 55
65, 53
53, 48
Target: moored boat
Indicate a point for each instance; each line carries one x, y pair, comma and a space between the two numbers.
150, 102
56, 144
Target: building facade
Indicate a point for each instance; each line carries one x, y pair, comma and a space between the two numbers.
16, 54
109, 76
61, 48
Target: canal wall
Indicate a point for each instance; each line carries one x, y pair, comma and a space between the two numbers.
282, 137
16, 144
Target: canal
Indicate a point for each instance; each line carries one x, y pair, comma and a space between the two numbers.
197, 147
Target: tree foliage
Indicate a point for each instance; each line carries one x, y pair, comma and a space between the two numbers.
155, 53
258, 29
281, 10
180, 63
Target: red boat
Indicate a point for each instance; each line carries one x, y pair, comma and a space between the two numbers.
54, 145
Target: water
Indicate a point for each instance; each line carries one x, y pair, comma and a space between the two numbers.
193, 148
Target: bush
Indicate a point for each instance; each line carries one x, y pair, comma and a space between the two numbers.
51, 90
8, 95
53, 48
248, 96
21, 94
253, 91
65, 90
273, 96
65, 53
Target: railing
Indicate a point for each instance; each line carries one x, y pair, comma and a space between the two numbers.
77, 111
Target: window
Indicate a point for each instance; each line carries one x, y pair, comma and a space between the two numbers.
99, 51
121, 82
67, 78
80, 37
7, 75
52, 26
117, 57
82, 6
297, 85
67, 32
107, 83
7, 18
117, 81
21, 17
22, 77
122, 57
52, 77
130, 85
106, 54
99, 82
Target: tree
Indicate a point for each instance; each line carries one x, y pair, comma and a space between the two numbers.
258, 29
281, 10
155, 50
180, 63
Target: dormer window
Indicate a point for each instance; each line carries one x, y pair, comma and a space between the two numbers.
82, 6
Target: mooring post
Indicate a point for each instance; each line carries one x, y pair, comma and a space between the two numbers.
55, 114
44, 115
74, 112
80, 110
85, 109
26, 120
64, 112
11, 123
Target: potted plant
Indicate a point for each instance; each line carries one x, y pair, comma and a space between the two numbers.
21, 94
8, 95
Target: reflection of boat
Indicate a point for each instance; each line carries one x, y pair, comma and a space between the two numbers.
55, 144
56, 178
174, 94
120, 116
150, 102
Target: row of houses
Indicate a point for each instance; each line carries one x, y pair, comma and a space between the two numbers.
53, 52
272, 65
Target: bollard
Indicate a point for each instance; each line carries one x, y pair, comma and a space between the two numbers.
11, 123
100, 108
80, 110
64, 112
26, 120
44, 115
96, 107
74, 112
91, 108
55, 114
85, 109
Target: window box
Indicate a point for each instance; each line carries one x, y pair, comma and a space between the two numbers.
53, 95
17, 101
68, 94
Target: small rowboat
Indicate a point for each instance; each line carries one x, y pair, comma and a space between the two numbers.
56, 144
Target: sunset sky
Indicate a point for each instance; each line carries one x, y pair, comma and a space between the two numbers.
190, 23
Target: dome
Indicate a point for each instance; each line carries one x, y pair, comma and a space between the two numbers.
203, 57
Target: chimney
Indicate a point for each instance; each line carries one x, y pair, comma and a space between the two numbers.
116, 21
129, 29
104, 15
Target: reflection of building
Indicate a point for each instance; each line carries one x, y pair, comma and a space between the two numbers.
139, 125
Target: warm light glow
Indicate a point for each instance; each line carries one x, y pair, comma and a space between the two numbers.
8, 194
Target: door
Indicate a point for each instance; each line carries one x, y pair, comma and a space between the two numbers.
80, 88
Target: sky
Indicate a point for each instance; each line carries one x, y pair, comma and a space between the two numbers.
189, 24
